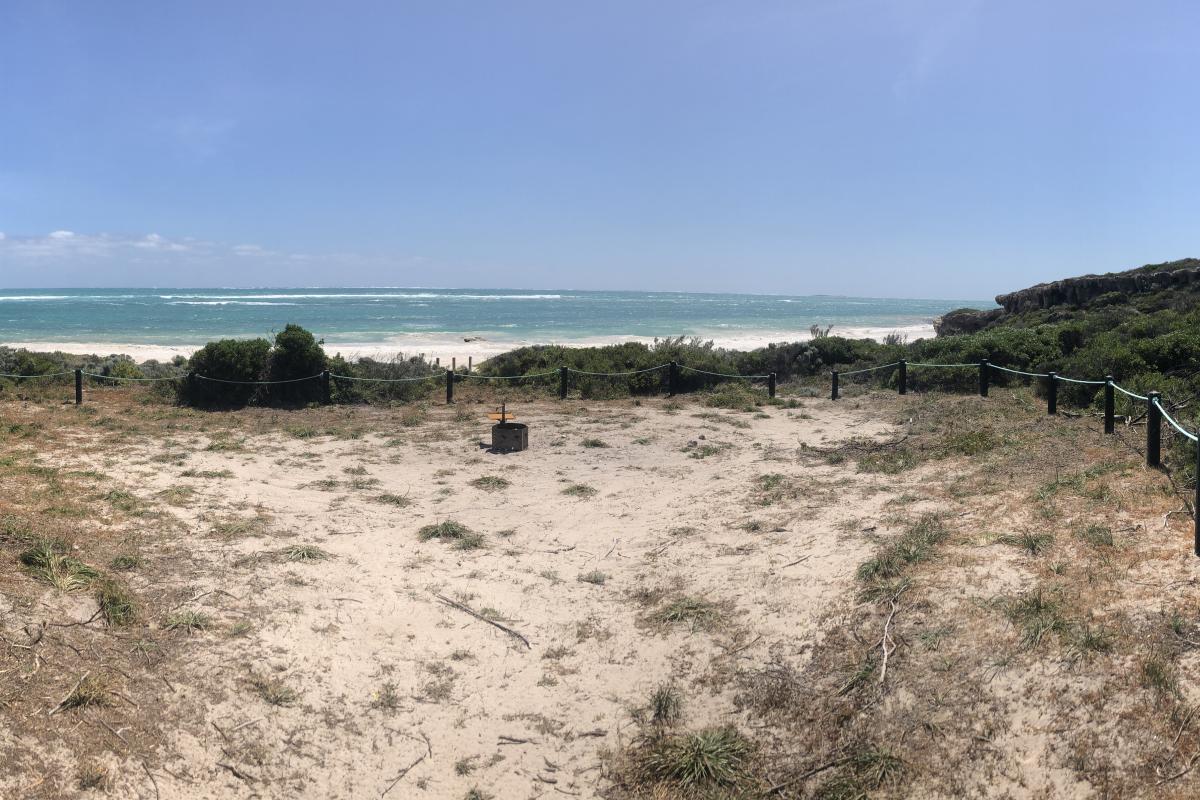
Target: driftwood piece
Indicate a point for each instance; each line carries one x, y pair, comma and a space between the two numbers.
481, 618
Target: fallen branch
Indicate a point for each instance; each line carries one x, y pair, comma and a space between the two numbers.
428, 752
481, 618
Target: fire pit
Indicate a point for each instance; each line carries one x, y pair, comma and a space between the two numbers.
508, 436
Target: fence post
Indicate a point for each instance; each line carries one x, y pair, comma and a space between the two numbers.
1109, 404
771, 385
1153, 430
1052, 393
562, 383
325, 394
469, 360
984, 377
903, 376
78, 387
1196, 505
672, 379
450, 387
833, 394
454, 364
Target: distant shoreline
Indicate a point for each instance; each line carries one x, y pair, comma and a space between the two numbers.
447, 346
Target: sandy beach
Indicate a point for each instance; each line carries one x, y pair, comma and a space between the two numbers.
446, 347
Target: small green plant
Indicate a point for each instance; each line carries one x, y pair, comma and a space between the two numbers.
1159, 675
580, 490
594, 443
1097, 535
705, 759
1038, 616
304, 552
126, 562
595, 577
666, 705
188, 621
49, 561
397, 500
116, 602
387, 698
121, 500
1034, 543
274, 691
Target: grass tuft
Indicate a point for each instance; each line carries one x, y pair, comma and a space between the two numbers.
450, 531
117, 603
49, 561
579, 490
595, 577
188, 621
305, 552
706, 759
666, 705
491, 483
1033, 543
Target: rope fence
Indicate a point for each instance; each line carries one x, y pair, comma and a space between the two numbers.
1155, 411
452, 376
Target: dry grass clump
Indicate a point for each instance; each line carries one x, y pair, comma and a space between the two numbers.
305, 552
491, 483
188, 621
580, 490
117, 603
274, 691
449, 530
695, 612
1033, 543
90, 691
916, 544
50, 561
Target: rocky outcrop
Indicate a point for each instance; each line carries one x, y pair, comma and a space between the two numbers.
1086, 289
965, 320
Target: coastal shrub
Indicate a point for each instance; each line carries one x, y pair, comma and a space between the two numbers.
296, 355
226, 360
401, 370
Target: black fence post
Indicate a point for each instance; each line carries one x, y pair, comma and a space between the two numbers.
672, 379
984, 377
1153, 430
470, 360
1052, 393
326, 395
450, 387
1196, 505
78, 387
771, 386
833, 394
903, 376
1109, 405
562, 383
191, 384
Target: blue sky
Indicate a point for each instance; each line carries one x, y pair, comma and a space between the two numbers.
933, 148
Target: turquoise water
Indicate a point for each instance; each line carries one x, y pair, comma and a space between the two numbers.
387, 316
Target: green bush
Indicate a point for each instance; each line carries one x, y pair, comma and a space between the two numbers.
226, 360
296, 355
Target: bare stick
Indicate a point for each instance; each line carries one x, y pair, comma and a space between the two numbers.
480, 617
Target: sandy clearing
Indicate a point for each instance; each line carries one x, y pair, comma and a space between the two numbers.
472, 706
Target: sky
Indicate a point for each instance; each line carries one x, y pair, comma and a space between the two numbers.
886, 148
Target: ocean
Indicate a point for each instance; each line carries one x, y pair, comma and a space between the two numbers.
446, 322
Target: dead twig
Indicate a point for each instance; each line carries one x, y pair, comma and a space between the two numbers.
480, 617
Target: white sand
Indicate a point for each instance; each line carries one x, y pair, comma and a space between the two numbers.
447, 346
512, 720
